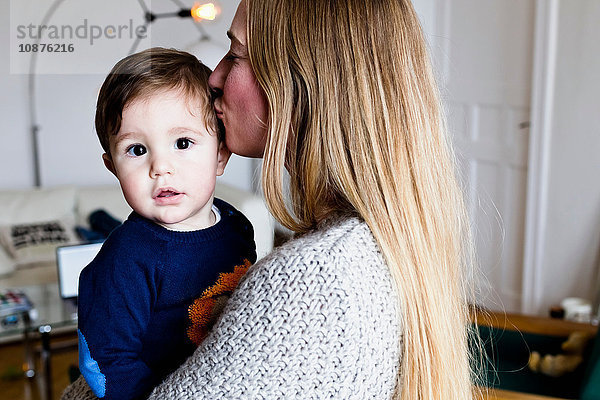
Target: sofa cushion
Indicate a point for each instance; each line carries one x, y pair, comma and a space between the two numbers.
37, 241
108, 198
35, 205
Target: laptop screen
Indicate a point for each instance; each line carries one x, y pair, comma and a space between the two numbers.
71, 260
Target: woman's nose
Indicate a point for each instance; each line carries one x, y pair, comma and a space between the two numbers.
217, 79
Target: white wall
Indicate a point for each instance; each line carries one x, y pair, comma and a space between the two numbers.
70, 153
69, 150
572, 237
571, 252
15, 154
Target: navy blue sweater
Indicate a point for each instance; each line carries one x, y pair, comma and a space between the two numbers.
150, 296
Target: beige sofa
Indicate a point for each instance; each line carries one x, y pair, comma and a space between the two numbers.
69, 206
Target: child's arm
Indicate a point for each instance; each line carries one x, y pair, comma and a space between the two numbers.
114, 310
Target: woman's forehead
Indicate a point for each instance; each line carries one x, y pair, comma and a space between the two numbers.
237, 32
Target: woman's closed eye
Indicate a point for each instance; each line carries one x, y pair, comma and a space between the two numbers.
136, 150
231, 57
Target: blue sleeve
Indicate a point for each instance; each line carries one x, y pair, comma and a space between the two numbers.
115, 303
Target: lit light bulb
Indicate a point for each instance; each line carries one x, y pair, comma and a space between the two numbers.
207, 11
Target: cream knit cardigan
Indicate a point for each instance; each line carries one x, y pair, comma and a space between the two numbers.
317, 318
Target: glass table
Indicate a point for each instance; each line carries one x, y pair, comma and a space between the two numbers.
50, 314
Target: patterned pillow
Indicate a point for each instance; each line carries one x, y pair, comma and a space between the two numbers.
36, 242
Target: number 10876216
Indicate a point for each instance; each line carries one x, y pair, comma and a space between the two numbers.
46, 48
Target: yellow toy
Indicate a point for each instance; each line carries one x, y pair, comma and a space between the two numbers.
560, 364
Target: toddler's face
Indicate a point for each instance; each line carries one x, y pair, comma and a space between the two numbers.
167, 161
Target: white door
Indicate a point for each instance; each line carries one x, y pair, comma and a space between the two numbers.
483, 54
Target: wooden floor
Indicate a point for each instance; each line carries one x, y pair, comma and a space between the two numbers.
13, 384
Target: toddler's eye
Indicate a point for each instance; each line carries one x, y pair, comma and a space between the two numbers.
136, 150
183, 143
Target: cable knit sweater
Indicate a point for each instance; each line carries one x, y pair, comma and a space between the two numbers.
317, 318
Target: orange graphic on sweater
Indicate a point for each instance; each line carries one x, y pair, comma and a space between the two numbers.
205, 310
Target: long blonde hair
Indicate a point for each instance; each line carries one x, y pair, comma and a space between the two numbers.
355, 117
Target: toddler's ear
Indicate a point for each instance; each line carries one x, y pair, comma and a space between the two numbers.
223, 155
108, 163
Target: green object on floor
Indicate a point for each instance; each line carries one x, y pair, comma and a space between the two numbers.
591, 381
508, 354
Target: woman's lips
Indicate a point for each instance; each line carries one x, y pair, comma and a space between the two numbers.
219, 113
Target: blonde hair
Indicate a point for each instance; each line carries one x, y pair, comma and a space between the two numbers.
355, 116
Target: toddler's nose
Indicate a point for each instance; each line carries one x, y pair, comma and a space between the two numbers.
161, 165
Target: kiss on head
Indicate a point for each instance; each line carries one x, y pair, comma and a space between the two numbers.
368, 299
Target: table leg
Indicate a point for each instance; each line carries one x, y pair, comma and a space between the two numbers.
45, 360
29, 362
29, 365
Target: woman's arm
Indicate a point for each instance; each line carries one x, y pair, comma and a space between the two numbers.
304, 323
315, 319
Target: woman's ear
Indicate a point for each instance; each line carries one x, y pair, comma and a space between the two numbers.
108, 163
223, 155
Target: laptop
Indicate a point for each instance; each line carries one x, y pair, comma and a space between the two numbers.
70, 261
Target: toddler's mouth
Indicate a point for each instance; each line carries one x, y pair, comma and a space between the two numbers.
167, 196
167, 193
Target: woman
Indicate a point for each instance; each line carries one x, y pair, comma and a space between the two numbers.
366, 301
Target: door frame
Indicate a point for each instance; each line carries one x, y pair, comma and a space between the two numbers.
542, 99
541, 106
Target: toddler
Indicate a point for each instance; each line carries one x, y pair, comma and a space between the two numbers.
162, 277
